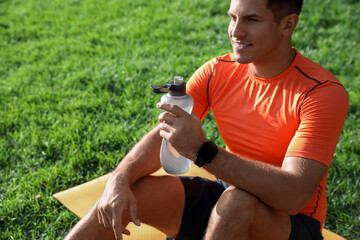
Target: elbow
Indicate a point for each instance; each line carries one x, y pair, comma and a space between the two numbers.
293, 211
291, 208
295, 204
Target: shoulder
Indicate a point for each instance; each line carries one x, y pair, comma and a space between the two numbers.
318, 81
314, 72
324, 94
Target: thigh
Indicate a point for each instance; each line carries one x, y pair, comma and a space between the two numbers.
160, 202
240, 215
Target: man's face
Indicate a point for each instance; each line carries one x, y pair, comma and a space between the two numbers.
254, 35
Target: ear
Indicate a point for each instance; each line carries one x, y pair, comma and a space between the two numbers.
289, 23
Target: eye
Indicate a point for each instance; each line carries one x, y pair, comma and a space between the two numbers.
232, 17
251, 19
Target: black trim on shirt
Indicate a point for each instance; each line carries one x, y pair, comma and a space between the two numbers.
208, 84
307, 75
313, 88
207, 89
317, 201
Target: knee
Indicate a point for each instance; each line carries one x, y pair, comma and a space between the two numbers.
236, 205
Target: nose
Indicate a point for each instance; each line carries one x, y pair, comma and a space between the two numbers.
237, 29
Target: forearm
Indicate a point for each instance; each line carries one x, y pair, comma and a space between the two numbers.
142, 160
277, 187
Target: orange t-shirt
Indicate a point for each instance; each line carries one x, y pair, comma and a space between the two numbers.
299, 113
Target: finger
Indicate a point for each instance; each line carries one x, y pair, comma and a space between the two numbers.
125, 231
172, 108
119, 230
167, 117
118, 234
133, 211
117, 227
164, 134
164, 126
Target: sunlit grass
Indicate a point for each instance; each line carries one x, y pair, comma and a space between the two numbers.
75, 96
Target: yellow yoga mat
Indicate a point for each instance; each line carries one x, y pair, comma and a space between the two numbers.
80, 199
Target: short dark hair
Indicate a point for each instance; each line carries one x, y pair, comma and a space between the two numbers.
282, 8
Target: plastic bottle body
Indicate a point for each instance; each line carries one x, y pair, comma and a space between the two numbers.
170, 159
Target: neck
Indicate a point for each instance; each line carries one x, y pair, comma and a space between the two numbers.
275, 65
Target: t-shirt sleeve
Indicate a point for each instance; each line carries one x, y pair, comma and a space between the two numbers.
322, 116
198, 86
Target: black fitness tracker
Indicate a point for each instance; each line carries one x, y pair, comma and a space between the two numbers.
206, 153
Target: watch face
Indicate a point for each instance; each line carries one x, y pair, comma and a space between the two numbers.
206, 153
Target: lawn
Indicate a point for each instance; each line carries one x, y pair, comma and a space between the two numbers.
75, 95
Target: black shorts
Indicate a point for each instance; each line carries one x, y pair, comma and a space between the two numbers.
201, 196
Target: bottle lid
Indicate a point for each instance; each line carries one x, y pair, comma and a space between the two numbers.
175, 88
178, 80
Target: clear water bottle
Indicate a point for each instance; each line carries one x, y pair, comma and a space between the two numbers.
170, 159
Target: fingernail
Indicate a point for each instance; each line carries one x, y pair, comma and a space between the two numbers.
137, 222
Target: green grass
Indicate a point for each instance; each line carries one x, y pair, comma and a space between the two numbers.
75, 96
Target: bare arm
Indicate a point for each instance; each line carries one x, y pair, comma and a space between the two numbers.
287, 188
141, 161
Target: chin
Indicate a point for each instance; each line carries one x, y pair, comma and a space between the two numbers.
242, 60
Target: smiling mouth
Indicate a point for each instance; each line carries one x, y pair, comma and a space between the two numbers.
241, 46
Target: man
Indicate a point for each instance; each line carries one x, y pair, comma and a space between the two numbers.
280, 116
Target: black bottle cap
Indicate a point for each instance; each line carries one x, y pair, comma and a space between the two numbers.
175, 88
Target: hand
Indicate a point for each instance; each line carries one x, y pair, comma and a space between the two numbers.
182, 130
117, 197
